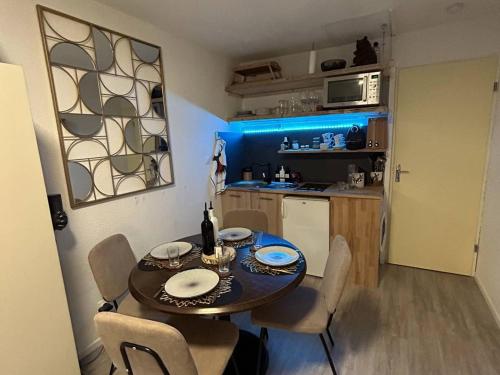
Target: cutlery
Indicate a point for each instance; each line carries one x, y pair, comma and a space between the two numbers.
158, 292
279, 270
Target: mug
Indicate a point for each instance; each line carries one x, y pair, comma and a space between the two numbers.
358, 180
376, 178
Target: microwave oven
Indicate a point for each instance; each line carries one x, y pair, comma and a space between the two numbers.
353, 90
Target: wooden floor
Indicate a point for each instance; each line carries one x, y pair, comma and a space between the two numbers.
416, 322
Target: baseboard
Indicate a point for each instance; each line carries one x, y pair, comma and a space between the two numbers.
494, 312
89, 350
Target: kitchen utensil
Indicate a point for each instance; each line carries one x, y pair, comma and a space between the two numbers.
333, 64
161, 251
276, 256
191, 283
234, 234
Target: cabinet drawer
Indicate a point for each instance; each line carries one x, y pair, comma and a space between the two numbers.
270, 204
235, 200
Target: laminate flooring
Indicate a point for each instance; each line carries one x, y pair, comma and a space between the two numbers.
416, 322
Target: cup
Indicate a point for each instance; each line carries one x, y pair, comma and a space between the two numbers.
224, 260
173, 256
358, 180
376, 178
258, 241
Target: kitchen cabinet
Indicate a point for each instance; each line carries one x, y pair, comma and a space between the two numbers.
358, 220
269, 203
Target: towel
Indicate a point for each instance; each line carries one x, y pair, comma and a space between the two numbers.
218, 168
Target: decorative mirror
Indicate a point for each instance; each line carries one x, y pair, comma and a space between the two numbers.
109, 101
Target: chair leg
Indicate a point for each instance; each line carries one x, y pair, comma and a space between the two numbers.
112, 369
263, 332
235, 365
330, 337
327, 351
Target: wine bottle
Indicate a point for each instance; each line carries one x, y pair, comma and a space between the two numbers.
207, 233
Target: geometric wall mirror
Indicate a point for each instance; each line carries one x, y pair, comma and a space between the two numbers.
108, 95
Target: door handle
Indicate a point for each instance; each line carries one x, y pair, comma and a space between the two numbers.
399, 171
283, 209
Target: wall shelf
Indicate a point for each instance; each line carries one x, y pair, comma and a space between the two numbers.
283, 85
379, 110
329, 151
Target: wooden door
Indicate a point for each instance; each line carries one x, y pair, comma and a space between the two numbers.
358, 220
35, 324
270, 204
442, 126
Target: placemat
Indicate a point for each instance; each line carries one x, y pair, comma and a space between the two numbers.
225, 286
241, 243
250, 264
149, 263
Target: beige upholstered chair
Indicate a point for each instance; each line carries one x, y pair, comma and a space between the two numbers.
111, 261
310, 308
251, 219
144, 347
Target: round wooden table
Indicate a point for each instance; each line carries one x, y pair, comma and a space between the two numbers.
249, 291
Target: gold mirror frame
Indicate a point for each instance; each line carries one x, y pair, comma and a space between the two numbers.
117, 90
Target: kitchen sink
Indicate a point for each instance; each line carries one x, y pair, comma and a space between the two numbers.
257, 184
250, 184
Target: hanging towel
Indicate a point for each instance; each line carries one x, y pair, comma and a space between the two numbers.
218, 167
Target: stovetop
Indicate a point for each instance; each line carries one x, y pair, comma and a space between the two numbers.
313, 187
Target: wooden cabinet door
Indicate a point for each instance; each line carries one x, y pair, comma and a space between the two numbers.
235, 200
270, 204
358, 220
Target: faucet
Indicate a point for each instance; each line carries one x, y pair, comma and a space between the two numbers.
266, 176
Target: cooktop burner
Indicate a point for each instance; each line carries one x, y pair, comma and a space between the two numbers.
313, 187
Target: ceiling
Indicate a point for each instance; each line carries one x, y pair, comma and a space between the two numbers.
247, 29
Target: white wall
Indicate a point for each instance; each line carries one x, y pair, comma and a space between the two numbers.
197, 105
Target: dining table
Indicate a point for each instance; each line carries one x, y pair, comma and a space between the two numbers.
243, 289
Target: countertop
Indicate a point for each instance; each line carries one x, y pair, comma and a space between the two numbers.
369, 192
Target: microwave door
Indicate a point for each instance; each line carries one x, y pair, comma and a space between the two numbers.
347, 92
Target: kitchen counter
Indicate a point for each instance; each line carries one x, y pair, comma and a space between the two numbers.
369, 192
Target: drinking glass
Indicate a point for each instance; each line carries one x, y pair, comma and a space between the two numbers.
258, 241
224, 260
283, 107
173, 256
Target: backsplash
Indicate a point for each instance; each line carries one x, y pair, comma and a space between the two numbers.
243, 150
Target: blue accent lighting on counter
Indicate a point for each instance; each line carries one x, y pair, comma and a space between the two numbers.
318, 122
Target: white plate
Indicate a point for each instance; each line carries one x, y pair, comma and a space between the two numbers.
160, 251
235, 234
191, 283
276, 256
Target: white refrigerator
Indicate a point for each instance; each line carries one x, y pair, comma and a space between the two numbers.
306, 224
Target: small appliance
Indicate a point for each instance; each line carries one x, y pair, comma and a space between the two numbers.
353, 90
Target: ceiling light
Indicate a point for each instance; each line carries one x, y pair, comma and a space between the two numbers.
455, 8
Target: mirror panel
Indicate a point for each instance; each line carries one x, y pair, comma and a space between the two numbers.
155, 144
81, 181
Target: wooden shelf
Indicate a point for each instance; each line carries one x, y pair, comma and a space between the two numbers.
276, 86
329, 151
378, 109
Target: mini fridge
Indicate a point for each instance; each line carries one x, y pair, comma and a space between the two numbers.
306, 224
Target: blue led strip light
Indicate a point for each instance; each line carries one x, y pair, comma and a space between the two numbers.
321, 122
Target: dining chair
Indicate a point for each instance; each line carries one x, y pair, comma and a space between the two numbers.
251, 219
111, 262
144, 347
310, 307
